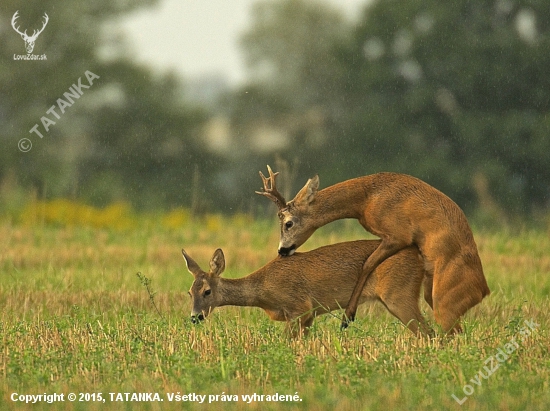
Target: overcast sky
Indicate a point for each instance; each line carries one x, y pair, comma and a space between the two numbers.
198, 37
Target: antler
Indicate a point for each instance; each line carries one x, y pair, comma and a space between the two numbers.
270, 189
15, 16
46, 19
35, 32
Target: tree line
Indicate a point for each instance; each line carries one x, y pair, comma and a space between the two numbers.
455, 94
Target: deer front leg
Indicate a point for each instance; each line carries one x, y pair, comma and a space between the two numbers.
385, 249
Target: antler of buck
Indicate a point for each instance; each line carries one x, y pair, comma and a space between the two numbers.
270, 189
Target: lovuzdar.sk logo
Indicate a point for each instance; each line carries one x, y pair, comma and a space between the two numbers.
29, 39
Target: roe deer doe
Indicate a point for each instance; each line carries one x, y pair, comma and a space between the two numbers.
402, 211
314, 283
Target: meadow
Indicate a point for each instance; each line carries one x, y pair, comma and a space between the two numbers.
77, 318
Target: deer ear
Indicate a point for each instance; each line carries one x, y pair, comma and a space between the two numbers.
192, 266
217, 263
307, 194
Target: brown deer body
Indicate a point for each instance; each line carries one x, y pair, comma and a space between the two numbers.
403, 211
314, 283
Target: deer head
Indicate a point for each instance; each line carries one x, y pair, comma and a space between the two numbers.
203, 291
297, 224
29, 40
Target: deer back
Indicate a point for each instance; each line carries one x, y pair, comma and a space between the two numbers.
325, 277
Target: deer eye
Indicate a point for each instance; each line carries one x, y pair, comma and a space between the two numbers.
289, 224
207, 292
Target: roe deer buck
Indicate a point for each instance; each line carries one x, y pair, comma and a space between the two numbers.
402, 211
313, 283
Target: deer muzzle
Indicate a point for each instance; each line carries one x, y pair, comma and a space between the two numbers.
197, 318
287, 251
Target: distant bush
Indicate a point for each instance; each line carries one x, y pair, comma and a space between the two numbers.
121, 216
65, 212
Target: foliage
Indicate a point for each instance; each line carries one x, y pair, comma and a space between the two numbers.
61, 212
453, 94
129, 137
456, 95
144, 148
118, 217
71, 43
461, 89
289, 46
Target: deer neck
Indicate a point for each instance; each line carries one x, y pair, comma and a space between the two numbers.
242, 292
343, 200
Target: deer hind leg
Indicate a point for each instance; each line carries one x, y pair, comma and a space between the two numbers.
398, 288
408, 312
385, 249
428, 289
428, 283
456, 290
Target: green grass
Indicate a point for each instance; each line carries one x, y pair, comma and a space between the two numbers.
77, 319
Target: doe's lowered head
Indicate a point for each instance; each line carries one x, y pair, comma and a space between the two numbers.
197, 318
203, 291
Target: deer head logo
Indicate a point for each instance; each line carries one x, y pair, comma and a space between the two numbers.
29, 40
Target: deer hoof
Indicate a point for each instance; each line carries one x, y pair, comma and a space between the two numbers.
346, 320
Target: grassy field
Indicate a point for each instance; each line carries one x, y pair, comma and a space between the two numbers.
77, 319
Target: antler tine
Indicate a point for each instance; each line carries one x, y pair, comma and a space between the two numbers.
37, 32
270, 189
13, 22
46, 19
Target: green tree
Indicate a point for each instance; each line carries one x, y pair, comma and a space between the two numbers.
454, 93
71, 41
289, 48
143, 146
130, 136
295, 82
447, 91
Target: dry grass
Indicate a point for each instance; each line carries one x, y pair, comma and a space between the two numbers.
75, 318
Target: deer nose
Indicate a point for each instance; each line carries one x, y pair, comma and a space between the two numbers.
286, 251
195, 319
